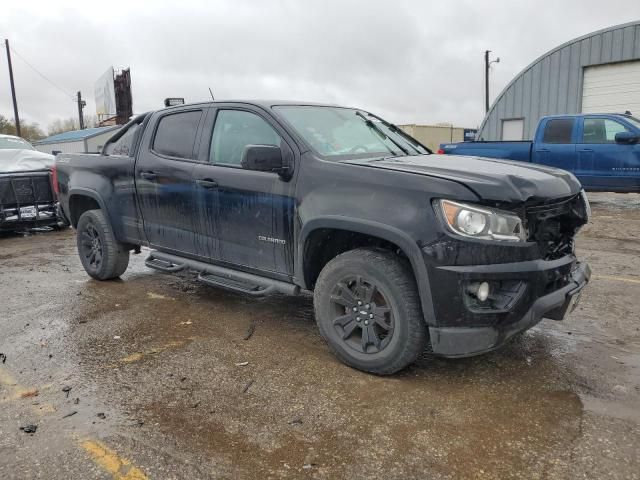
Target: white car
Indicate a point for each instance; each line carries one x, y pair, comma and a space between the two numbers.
27, 198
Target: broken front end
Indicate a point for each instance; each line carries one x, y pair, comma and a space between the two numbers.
27, 200
501, 269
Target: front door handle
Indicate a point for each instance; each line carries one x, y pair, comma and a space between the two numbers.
206, 183
148, 176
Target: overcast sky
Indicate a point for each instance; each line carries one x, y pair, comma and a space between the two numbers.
409, 61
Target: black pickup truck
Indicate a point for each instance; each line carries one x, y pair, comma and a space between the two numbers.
403, 249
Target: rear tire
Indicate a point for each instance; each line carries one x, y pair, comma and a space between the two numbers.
368, 310
102, 256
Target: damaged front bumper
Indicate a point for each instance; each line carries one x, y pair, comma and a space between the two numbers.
532, 291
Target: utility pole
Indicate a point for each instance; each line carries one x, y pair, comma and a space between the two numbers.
13, 89
487, 64
81, 105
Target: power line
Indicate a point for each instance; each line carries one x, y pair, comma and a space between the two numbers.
72, 97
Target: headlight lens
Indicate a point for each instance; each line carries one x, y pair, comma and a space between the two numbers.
481, 222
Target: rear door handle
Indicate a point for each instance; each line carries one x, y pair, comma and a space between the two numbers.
148, 175
206, 183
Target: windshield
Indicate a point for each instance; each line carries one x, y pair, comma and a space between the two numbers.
345, 132
15, 143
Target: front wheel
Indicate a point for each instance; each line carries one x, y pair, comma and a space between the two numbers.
368, 310
102, 256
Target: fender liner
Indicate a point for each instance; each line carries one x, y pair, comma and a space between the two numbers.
375, 229
87, 192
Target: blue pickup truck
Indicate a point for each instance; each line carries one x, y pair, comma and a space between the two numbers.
602, 150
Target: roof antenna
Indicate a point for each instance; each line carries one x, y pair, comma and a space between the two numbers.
211, 93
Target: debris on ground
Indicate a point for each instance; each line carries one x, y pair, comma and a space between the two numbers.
29, 393
247, 386
188, 322
70, 414
250, 330
296, 421
76, 401
66, 390
116, 337
101, 415
29, 428
3, 358
242, 364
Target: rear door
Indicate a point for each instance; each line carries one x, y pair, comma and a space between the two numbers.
247, 216
603, 163
554, 145
164, 181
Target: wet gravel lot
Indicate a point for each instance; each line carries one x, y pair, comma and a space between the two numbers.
157, 376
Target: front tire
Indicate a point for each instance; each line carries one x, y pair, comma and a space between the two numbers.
368, 310
102, 256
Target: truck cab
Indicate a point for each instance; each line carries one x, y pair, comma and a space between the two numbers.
602, 150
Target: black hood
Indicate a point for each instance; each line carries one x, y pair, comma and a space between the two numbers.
490, 179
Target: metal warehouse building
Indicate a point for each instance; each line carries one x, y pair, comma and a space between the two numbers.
78, 141
596, 73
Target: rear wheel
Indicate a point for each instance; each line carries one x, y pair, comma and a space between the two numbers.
368, 310
102, 256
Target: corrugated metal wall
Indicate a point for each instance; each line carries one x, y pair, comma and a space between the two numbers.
64, 147
553, 83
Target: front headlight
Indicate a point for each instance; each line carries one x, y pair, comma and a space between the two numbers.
481, 222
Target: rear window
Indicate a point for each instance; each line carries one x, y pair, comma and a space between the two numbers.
558, 130
176, 134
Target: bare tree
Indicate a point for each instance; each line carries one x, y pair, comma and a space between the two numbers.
29, 131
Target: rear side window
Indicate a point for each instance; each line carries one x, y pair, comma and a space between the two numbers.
176, 134
558, 130
124, 145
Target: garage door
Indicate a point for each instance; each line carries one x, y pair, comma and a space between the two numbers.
613, 88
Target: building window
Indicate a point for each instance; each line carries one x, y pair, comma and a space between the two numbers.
558, 130
513, 129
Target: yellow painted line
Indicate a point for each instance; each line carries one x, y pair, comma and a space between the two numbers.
120, 468
616, 278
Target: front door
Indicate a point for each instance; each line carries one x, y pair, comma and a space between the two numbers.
164, 183
603, 163
253, 220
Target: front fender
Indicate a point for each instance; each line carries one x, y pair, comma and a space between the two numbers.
379, 230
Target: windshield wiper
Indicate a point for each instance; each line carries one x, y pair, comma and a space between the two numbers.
377, 129
395, 129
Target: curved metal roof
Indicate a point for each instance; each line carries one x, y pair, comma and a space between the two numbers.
614, 44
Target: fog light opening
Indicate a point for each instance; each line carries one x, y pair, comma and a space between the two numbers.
480, 290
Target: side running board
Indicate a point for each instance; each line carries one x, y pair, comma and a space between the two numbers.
221, 277
162, 265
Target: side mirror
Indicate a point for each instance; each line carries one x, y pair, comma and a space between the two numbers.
627, 138
263, 158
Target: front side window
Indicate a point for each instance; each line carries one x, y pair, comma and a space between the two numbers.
176, 134
601, 130
558, 130
233, 131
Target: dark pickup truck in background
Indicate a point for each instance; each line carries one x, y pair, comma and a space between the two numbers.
401, 248
601, 150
